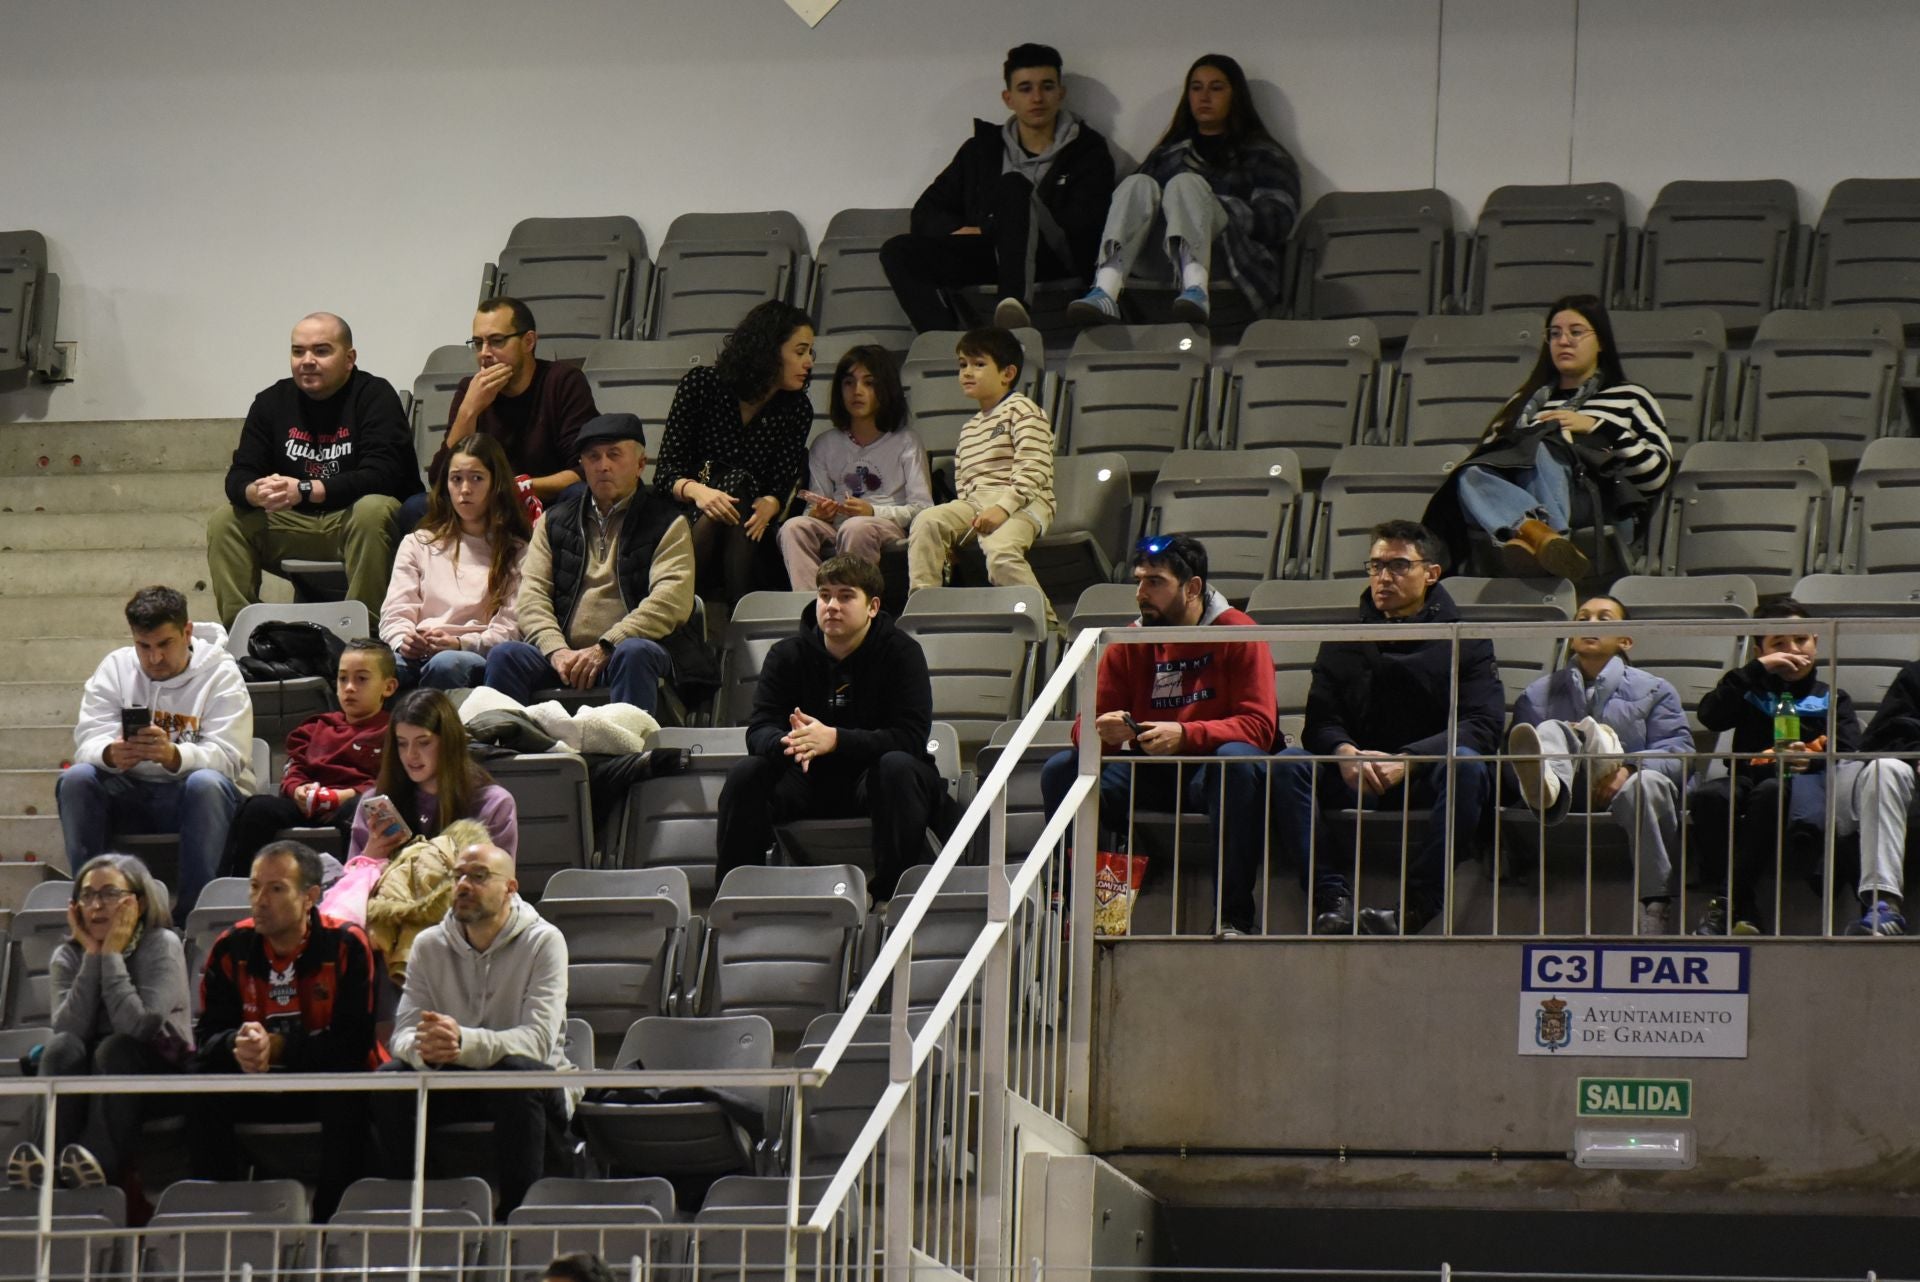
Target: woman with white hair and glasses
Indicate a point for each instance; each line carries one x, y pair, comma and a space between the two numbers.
119, 993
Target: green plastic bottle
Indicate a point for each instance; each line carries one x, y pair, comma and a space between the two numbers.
1786, 720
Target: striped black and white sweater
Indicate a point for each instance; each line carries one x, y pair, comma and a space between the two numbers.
1632, 428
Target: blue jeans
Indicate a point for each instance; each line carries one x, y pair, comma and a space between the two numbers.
633, 675
95, 803
447, 670
1497, 501
1154, 788
1300, 827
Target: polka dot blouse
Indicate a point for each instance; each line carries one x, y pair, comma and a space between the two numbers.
706, 442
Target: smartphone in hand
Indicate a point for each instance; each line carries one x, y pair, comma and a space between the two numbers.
134, 720
383, 817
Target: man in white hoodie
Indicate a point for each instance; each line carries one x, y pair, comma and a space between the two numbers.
164, 743
486, 989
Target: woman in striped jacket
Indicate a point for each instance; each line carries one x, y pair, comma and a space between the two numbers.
1576, 421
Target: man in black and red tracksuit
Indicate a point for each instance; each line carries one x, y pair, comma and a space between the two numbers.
291, 990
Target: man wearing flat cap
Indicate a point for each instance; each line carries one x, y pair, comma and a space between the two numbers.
607, 580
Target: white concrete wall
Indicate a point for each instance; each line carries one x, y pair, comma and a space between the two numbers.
208, 170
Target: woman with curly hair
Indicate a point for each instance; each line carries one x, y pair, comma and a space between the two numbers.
736, 444
1218, 178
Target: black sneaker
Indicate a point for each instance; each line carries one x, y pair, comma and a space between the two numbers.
1386, 921
1335, 916
1715, 920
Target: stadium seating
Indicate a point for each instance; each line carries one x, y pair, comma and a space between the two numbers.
1725, 245
1386, 256
460, 1211
1456, 372
1677, 356
641, 378
626, 932
1307, 386
1758, 508
265, 1223
1823, 376
1534, 245
850, 292
279, 706
984, 649
781, 943
1693, 664
1366, 485
611, 1218
713, 269
1516, 601
1881, 532
78, 1215
29, 311
1139, 390
39, 927
692, 1133
553, 811
1866, 248
1092, 519
1869, 661
581, 277
1241, 504
431, 410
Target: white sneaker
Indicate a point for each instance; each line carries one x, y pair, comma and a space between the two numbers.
1656, 917
1011, 313
1539, 786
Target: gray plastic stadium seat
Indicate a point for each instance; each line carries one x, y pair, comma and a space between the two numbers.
1307, 386
223, 902
1140, 390
1868, 662
1882, 520
713, 269
29, 311
1087, 541
1240, 503
1676, 355
936, 411
833, 1113
1366, 485
781, 943
1103, 605
610, 1218
581, 277
1516, 601
279, 706
1293, 602
1692, 664
683, 1138
1534, 245
100, 1211
1724, 245
1456, 372
1757, 508
1383, 255
726, 1245
204, 1229
1026, 808
1823, 376
641, 378
460, 1211
15, 1045
1866, 248
850, 288
760, 621
431, 412
555, 814
947, 932
672, 822
626, 931
39, 927
984, 647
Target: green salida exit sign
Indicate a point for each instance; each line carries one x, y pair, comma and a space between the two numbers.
1635, 1097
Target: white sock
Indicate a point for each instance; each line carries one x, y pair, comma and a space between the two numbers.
1193, 275
1107, 277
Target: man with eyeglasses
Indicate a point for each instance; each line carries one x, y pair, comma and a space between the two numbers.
1210, 698
533, 407
324, 460
486, 989
1372, 705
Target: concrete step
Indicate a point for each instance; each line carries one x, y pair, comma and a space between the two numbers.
98, 531
35, 747
194, 494
32, 838
39, 703
34, 574
73, 449
28, 792
70, 659
104, 614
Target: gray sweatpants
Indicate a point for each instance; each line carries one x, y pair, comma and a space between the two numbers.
1186, 210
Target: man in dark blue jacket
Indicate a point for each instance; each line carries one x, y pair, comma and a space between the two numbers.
841, 716
1373, 704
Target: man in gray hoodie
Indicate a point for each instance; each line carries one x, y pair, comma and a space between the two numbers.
486, 989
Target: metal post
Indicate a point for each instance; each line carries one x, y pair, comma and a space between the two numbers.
993, 1006
49, 1107
417, 1196
898, 1234
1086, 854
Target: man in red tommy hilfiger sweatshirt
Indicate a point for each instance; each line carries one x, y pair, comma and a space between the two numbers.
1206, 699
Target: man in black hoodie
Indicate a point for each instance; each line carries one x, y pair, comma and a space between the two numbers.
1022, 199
323, 462
841, 716
1375, 703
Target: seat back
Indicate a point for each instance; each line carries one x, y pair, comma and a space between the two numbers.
641, 378
35, 931
223, 902
1239, 503
833, 1113
580, 277
1307, 386
204, 1229
672, 821
29, 299
366, 1238
1138, 390
555, 814
1516, 601
780, 944
1753, 508
1866, 248
279, 706
1457, 371
760, 621
850, 288
431, 411
1534, 245
1293, 602
1823, 376
714, 268
1724, 245
1881, 533
1092, 519
77, 1213
1868, 661
1366, 485
1383, 255
625, 929
983, 648
1676, 355
1026, 806
611, 1218
1692, 664
936, 411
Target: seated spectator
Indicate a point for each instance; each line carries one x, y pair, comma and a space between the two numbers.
487, 989
1375, 703
332, 760
324, 459
870, 476
1021, 201
1575, 422
456, 579
1601, 713
735, 445
164, 743
1212, 698
1003, 474
119, 992
426, 772
606, 581
1882, 887
841, 716
579, 1267
286, 989
1216, 180
1781, 714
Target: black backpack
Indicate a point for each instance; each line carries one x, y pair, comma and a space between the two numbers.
284, 650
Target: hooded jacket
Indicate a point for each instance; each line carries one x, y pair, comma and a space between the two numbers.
1743, 703
879, 698
1219, 691
204, 710
1392, 696
509, 1000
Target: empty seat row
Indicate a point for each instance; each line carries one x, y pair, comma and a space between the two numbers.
29, 312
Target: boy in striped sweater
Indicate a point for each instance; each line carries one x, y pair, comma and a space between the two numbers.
1003, 473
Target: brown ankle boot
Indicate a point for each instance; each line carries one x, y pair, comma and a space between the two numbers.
1536, 548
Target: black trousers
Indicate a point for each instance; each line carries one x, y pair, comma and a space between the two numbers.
343, 1136
108, 1126
1009, 252
260, 817
899, 792
525, 1123
726, 563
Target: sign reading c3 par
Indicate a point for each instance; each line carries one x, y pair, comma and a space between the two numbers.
1634, 1002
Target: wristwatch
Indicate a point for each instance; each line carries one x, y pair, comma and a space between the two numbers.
306, 491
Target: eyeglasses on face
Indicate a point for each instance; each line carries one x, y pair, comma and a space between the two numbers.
1572, 334
492, 342
1395, 567
106, 897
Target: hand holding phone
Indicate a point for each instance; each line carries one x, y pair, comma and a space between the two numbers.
383, 819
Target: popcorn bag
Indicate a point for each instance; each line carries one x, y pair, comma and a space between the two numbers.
1116, 884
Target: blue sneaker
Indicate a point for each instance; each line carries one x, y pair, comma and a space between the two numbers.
1191, 305
1881, 918
1095, 307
